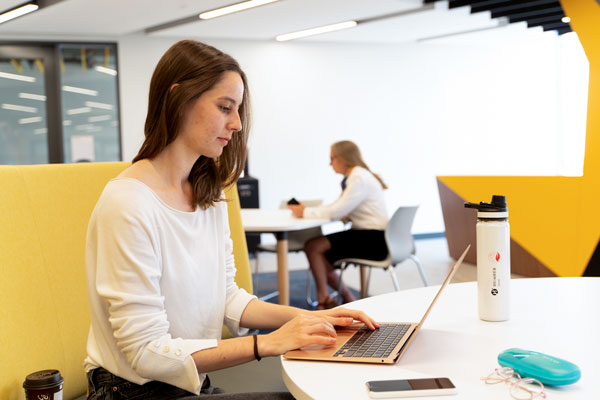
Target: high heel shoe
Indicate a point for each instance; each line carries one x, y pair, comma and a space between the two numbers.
327, 303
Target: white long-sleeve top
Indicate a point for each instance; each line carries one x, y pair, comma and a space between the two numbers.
362, 202
160, 285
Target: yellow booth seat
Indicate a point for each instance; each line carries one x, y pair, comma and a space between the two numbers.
44, 315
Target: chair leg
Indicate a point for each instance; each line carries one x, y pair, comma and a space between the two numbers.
392, 271
416, 261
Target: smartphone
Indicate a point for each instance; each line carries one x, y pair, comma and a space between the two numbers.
410, 388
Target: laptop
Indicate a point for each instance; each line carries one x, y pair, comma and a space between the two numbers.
357, 343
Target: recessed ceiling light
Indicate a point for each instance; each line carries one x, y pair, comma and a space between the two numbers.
234, 8
566, 20
18, 11
316, 31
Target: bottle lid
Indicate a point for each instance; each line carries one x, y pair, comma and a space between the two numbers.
495, 209
43, 379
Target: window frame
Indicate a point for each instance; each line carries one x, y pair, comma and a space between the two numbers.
49, 52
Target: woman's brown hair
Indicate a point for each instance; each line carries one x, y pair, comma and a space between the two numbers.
349, 153
185, 71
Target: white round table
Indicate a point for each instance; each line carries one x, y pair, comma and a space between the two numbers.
556, 316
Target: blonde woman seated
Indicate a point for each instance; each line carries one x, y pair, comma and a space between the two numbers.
361, 202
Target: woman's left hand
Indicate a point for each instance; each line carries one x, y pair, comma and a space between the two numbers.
343, 317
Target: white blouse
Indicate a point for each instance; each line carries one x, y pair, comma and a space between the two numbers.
362, 202
160, 285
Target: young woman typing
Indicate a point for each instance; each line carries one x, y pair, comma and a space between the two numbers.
159, 255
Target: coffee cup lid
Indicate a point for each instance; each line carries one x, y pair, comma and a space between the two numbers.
43, 379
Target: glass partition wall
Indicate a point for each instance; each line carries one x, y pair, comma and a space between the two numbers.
59, 103
89, 99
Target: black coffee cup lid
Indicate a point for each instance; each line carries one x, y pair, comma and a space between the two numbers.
43, 379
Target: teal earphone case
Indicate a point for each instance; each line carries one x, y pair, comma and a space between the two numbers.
547, 369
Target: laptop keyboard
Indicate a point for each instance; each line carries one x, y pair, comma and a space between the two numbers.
378, 343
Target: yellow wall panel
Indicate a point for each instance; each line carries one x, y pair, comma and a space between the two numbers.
556, 219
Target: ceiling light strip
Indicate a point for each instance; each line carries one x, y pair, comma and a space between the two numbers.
16, 107
316, 31
31, 96
100, 118
102, 106
16, 77
81, 110
219, 12
105, 70
30, 120
75, 89
18, 11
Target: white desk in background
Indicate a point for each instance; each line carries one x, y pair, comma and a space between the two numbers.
556, 316
278, 222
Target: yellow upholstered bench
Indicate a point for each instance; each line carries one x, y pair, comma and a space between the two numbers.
44, 316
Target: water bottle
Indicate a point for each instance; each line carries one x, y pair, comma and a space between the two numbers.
493, 259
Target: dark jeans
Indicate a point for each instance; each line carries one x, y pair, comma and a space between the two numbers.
104, 385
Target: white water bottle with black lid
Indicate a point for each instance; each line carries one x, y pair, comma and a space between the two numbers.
493, 259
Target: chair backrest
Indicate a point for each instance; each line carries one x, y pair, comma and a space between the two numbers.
398, 235
44, 314
243, 275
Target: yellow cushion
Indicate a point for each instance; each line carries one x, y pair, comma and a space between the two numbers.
243, 275
44, 316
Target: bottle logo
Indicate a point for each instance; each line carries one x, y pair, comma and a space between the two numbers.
494, 291
494, 256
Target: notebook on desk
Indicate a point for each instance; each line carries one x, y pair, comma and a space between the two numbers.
356, 343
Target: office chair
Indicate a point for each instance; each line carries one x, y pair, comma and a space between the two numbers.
400, 245
296, 240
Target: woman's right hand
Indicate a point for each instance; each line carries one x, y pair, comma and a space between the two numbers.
297, 209
302, 330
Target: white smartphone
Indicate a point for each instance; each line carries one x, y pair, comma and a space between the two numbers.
410, 388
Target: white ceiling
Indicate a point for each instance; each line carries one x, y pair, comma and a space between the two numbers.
110, 18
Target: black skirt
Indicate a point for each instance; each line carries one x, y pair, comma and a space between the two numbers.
357, 243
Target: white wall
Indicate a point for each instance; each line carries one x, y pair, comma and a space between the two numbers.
416, 110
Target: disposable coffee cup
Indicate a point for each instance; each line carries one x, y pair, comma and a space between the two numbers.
44, 385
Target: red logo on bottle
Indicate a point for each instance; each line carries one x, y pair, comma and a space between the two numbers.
494, 256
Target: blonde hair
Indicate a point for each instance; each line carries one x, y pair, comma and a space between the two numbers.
349, 153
